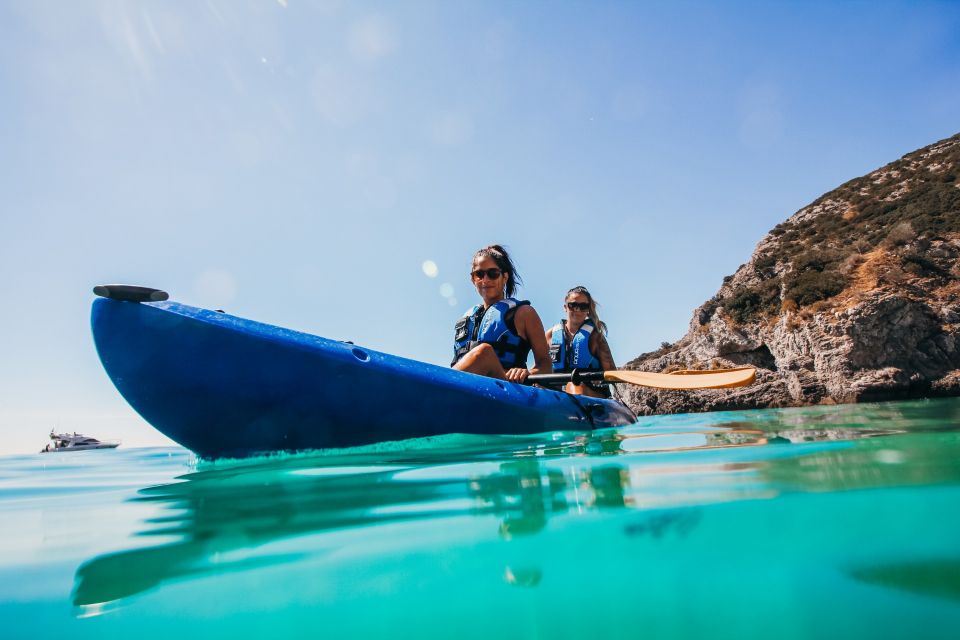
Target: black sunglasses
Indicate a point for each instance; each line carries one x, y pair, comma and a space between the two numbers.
578, 306
492, 273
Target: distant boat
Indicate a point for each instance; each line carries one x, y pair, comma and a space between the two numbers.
66, 442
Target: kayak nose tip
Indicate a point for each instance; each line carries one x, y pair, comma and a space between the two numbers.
130, 293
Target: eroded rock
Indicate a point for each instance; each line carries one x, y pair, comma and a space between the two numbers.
891, 332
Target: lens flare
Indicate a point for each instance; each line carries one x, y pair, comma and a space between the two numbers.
430, 268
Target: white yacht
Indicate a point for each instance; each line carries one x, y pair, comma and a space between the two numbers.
75, 442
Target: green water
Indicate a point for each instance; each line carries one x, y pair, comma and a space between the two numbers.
802, 523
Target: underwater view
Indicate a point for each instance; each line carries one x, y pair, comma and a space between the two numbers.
831, 521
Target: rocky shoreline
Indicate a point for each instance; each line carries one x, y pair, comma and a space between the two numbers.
854, 298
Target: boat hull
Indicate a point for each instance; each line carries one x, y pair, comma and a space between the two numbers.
83, 447
223, 386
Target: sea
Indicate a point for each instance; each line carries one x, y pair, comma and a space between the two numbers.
823, 522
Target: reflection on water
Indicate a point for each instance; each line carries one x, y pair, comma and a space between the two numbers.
658, 523
938, 577
212, 516
222, 518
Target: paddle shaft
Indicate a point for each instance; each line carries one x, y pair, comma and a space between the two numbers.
576, 377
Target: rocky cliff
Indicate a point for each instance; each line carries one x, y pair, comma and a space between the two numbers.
855, 297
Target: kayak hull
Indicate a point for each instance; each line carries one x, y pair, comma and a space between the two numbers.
223, 386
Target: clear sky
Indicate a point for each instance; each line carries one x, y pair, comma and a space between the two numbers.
298, 162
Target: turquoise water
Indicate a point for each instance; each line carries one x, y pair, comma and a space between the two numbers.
800, 523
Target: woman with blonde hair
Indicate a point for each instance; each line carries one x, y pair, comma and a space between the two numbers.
579, 342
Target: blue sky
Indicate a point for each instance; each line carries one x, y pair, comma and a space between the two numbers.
297, 162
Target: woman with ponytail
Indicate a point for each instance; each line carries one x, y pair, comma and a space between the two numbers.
579, 341
495, 337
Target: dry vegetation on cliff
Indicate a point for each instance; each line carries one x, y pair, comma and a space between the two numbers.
892, 224
854, 297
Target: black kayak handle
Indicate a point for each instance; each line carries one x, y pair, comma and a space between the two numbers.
576, 377
130, 293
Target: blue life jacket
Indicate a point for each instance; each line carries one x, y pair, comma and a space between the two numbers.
576, 354
495, 328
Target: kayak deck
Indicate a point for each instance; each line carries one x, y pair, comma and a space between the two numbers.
223, 386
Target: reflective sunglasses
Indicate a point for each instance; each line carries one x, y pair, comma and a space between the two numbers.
578, 306
492, 273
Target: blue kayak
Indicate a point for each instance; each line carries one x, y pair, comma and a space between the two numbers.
223, 386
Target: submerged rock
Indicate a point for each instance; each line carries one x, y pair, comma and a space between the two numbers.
854, 298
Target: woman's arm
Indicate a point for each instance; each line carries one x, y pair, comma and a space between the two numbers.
600, 347
530, 328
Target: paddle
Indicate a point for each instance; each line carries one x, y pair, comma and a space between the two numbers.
684, 379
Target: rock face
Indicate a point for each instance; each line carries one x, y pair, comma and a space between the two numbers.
854, 298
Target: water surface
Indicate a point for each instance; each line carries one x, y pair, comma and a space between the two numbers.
798, 523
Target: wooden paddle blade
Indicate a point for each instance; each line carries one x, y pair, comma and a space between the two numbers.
698, 372
716, 379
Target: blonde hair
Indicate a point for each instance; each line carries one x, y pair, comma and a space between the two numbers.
592, 312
